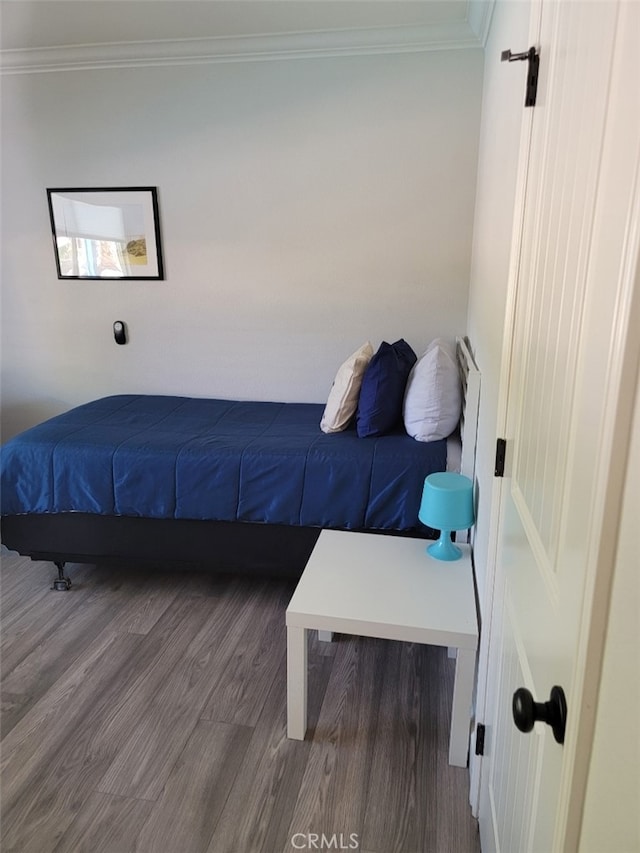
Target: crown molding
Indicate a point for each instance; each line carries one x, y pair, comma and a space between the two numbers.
479, 17
198, 51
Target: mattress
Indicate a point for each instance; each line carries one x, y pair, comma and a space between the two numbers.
224, 460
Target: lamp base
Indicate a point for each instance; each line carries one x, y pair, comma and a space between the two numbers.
444, 549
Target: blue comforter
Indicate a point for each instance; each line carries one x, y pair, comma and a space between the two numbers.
178, 457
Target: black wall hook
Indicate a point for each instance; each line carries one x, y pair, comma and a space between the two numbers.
120, 332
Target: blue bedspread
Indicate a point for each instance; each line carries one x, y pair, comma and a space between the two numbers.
179, 457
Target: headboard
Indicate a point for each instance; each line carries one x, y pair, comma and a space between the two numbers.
470, 379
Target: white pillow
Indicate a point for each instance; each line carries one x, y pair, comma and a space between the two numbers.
433, 396
345, 391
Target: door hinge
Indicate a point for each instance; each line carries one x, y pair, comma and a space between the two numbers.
533, 57
501, 452
480, 730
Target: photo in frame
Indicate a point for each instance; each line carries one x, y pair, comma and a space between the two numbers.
104, 233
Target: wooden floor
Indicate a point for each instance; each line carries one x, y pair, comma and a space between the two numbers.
145, 711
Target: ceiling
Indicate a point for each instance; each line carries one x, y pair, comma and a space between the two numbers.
47, 34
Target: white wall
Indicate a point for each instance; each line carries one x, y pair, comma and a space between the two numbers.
306, 206
502, 113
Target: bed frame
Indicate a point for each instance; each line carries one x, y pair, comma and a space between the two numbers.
258, 549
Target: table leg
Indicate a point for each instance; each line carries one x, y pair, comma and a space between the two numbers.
296, 682
461, 707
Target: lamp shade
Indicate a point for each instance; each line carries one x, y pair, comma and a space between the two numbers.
447, 505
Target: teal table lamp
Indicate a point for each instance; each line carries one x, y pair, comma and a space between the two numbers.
447, 505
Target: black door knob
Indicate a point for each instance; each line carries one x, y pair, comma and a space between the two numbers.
526, 712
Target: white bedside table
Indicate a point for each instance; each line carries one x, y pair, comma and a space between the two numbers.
374, 585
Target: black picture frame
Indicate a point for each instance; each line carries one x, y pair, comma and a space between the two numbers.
106, 233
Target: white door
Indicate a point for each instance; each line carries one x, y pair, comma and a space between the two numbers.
569, 345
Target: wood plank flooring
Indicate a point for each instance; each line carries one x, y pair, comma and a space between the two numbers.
144, 711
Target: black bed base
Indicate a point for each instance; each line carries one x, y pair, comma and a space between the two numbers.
259, 549
265, 550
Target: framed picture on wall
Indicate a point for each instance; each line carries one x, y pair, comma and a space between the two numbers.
106, 233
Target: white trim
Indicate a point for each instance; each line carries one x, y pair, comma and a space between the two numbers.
197, 51
479, 18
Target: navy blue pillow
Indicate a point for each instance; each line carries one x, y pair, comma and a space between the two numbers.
380, 403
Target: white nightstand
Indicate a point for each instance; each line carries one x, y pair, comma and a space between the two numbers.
389, 587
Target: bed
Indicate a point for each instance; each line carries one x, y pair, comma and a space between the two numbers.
239, 486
